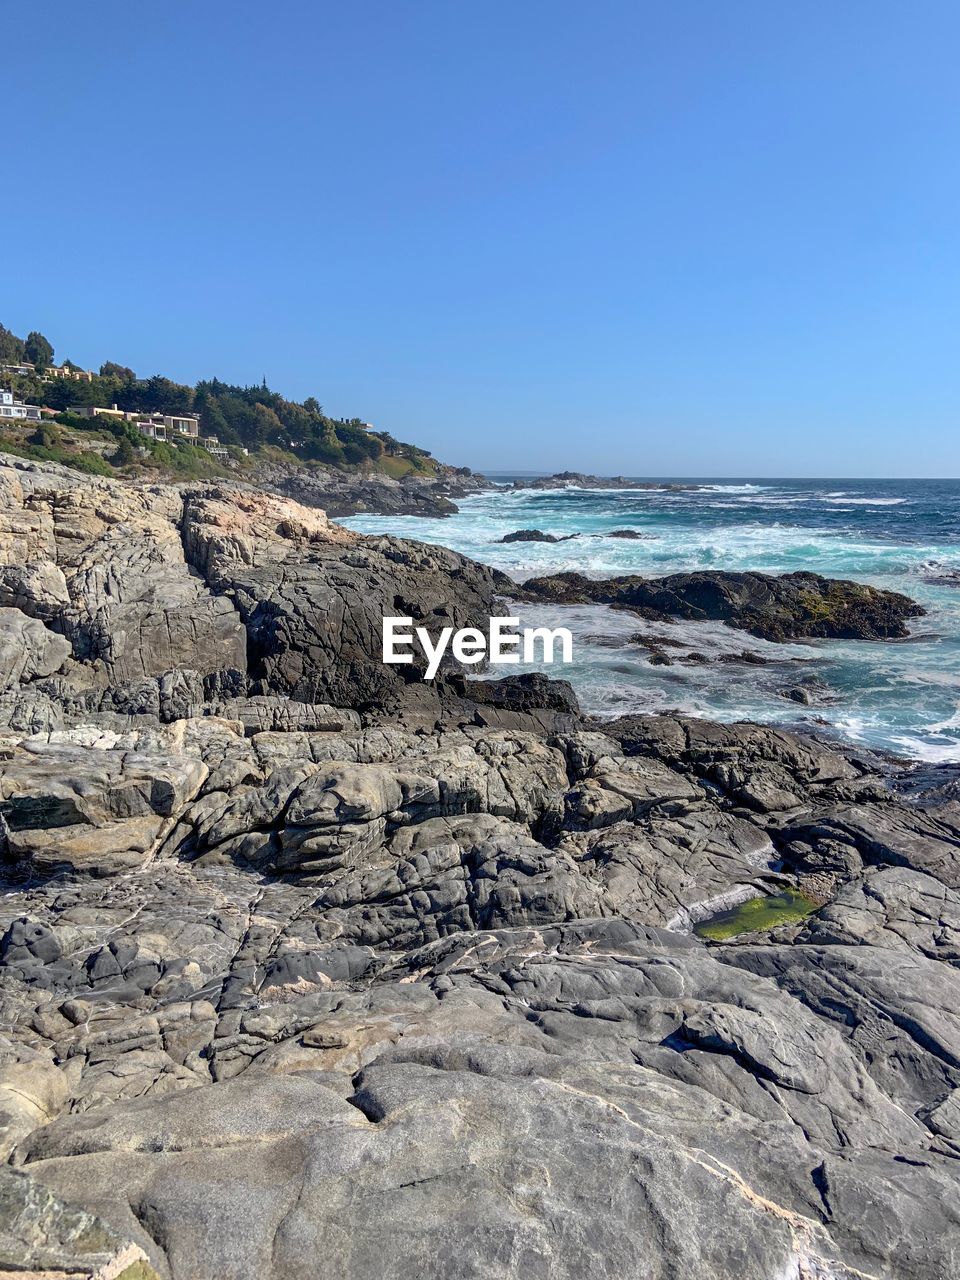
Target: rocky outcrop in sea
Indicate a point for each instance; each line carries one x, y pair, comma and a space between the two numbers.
786, 607
312, 968
578, 480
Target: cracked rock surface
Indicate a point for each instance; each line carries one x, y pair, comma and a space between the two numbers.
306, 970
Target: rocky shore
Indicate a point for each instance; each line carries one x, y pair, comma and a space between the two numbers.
341, 493
312, 968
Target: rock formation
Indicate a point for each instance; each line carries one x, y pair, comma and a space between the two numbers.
341, 493
787, 607
536, 535
309, 970
577, 480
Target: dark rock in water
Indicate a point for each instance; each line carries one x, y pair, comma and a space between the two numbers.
651, 641
535, 535
930, 784
802, 696
577, 480
658, 658
633, 534
744, 657
946, 578
787, 607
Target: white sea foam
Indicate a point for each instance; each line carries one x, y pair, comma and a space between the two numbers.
868, 502
917, 748
901, 696
951, 722
732, 488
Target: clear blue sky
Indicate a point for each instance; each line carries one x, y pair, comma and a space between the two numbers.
688, 238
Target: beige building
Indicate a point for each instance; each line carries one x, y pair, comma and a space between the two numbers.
97, 411
75, 375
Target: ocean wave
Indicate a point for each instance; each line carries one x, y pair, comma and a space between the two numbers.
641, 490
868, 502
951, 722
732, 488
942, 752
774, 501
901, 697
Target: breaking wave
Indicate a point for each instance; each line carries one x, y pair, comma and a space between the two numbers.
904, 697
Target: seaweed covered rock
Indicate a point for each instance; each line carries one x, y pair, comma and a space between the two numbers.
786, 607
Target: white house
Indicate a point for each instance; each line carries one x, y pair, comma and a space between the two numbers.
11, 408
153, 428
187, 424
213, 446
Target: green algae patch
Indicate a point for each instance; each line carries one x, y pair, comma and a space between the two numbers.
138, 1271
756, 914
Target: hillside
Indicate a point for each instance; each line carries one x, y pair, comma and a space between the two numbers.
248, 425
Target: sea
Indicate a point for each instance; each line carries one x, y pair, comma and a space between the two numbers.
901, 696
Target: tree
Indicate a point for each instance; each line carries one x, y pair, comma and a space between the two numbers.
213, 422
45, 436
11, 347
125, 455
160, 395
38, 350
119, 371
267, 428
313, 405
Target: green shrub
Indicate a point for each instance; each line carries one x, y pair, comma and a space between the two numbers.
88, 462
91, 463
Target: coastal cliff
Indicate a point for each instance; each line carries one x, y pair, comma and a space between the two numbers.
310, 967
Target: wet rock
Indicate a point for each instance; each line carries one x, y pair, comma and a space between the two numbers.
800, 695
746, 657
535, 535
788, 607
578, 480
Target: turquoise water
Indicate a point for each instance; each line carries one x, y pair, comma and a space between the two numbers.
904, 535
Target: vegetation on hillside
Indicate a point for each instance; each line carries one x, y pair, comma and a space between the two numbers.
255, 418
